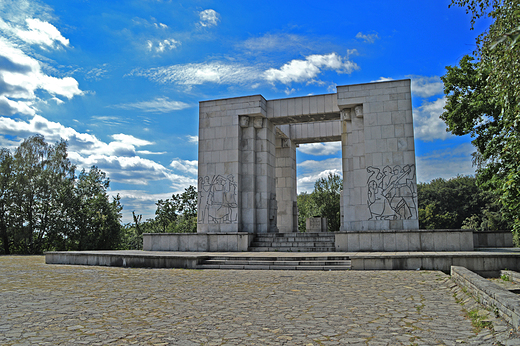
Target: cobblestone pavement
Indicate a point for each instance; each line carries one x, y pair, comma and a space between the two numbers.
74, 305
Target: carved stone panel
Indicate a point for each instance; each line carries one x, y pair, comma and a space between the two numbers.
392, 193
217, 199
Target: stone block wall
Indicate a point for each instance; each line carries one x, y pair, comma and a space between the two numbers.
247, 158
378, 155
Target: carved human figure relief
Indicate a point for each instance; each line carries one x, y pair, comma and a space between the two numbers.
217, 199
392, 193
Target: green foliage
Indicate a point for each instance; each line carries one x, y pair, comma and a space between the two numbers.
306, 208
459, 203
45, 208
175, 215
324, 201
483, 99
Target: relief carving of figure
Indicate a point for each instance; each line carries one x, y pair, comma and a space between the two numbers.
392, 193
217, 199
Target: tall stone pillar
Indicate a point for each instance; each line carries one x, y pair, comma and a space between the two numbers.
379, 188
286, 185
236, 167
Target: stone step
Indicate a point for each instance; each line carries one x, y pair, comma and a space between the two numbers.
291, 249
281, 258
292, 235
291, 244
294, 239
272, 267
274, 262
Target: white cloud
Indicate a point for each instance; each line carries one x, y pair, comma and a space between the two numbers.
427, 124
382, 79
157, 105
97, 73
307, 70
299, 71
160, 46
41, 33
423, 86
309, 171
186, 166
192, 139
445, 163
274, 42
368, 38
208, 18
129, 139
329, 148
21, 76
196, 74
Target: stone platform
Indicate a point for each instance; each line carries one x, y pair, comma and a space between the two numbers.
486, 262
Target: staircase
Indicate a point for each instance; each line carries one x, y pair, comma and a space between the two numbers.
293, 242
277, 263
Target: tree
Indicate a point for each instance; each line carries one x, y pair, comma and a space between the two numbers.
97, 219
483, 100
43, 207
458, 203
6, 199
324, 201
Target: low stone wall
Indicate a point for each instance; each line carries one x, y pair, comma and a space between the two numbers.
124, 258
214, 242
405, 240
493, 239
503, 302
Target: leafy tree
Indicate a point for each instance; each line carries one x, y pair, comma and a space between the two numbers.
306, 208
44, 207
458, 203
483, 99
324, 201
98, 219
6, 199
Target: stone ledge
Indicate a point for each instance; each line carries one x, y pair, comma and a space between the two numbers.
507, 304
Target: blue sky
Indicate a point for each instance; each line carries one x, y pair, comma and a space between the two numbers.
121, 80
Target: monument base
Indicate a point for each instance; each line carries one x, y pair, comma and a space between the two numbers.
405, 240
352, 241
199, 242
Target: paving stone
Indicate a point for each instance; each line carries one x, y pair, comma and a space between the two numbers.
60, 304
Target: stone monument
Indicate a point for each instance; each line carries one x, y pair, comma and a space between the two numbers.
247, 171
247, 158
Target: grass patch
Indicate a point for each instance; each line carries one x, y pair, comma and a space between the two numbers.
479, 320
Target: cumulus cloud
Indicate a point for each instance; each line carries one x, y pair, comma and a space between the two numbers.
41, 33
329, 148
118, 158
208, 18
157, 105
427, 124
445, 163
307, 70
423, 86
186, 166
21, 76
309, 171
368, 38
